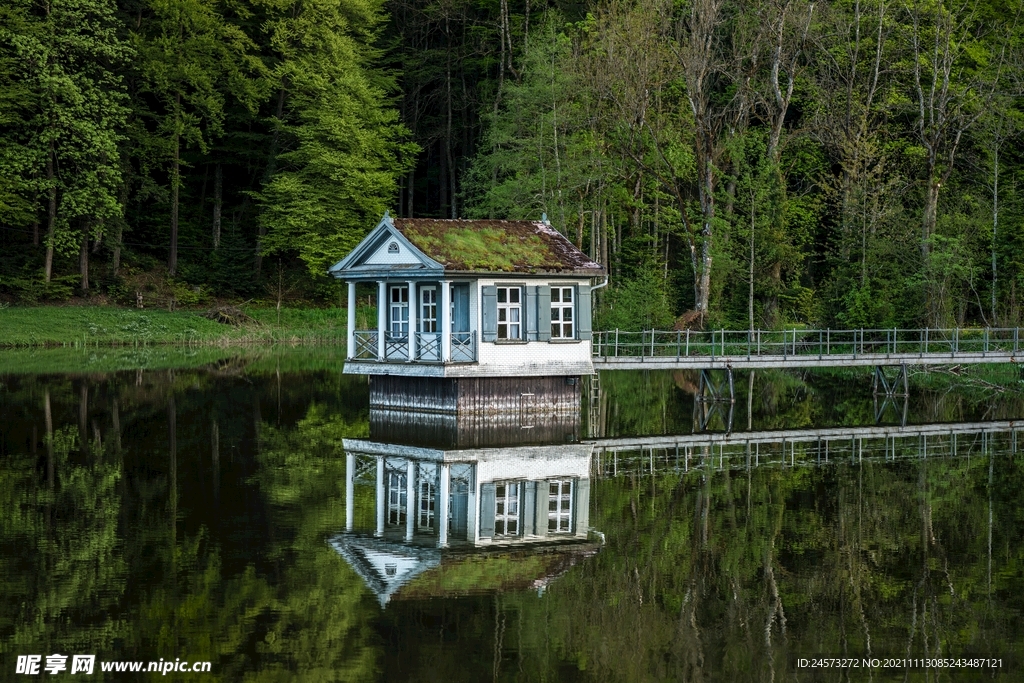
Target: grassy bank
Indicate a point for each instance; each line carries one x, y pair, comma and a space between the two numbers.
222, 360
97, 326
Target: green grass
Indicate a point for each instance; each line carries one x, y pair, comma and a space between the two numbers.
251, 360
97, 326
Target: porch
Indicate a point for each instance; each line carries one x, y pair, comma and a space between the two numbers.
422, 322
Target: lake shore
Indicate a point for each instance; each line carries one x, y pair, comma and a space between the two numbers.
111, 326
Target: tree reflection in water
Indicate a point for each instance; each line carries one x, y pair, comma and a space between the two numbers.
188, 513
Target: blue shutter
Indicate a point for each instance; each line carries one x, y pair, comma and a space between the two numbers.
541, 509
581, 506
489, 324
487, 495
528, 507
460, 298
584, 328
544, 314
531, 314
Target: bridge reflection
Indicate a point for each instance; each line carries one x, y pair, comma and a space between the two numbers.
804, 447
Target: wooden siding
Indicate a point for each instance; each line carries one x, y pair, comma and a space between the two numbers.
522, 401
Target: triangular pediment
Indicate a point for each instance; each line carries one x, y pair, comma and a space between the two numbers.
383, 565
386, 250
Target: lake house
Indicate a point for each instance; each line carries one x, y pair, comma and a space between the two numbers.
468, 298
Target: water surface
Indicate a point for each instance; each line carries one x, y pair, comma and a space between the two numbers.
191, 513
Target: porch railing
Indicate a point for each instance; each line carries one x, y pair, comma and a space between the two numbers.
365, 345
428, 347
396, 346
463, 347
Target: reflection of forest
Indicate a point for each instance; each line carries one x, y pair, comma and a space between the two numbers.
162, 514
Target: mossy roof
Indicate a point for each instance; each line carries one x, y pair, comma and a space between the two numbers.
495, 246
509, 569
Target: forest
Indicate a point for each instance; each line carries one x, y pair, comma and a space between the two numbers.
766, 163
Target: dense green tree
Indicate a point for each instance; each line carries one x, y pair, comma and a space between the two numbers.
341, 145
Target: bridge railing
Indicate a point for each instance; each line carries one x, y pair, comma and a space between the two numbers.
755, 343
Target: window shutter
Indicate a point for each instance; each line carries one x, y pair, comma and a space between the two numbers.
487, 511
531, 313
581, 506
489, 325
584, 330
544, 318
541, 508
528, 507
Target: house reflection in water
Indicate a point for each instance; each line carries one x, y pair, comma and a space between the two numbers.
464, 505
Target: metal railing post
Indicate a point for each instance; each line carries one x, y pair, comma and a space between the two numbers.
687, 342
616, 342
678, 335
926, 341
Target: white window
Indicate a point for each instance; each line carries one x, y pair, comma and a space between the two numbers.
559, 506
510, 313
562, 317
396, 497
506, 509
426, 507
399, 310
428, 309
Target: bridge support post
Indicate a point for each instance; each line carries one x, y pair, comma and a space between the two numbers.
898, 386
710, 398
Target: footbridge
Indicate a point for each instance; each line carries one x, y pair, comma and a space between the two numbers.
803, 447
756, 349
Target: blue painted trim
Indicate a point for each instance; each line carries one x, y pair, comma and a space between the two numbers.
384, 231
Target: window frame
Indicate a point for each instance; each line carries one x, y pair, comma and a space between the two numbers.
396, 307
566, 489
422, 318
513, 500
558, 310
507, 306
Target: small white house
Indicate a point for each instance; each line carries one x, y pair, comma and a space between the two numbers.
432, 507
469, 298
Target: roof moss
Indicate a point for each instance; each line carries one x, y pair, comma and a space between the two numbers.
495, 246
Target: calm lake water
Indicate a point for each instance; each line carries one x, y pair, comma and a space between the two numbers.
202, 514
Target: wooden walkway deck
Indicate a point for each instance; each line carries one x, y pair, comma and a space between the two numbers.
756, 349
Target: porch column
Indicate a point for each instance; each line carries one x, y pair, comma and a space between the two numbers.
442, 507
350, 340
350, 490
380, 495
412, 320
410, 499
445, 316
382, 316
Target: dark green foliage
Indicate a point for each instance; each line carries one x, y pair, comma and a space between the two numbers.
801, 174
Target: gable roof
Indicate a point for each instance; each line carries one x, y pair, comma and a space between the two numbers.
392, 569
471, 246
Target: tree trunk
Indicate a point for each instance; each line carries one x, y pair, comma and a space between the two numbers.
218, 188
172, 258
51, 219
83, 261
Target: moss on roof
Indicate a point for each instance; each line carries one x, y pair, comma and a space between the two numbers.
496, 246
